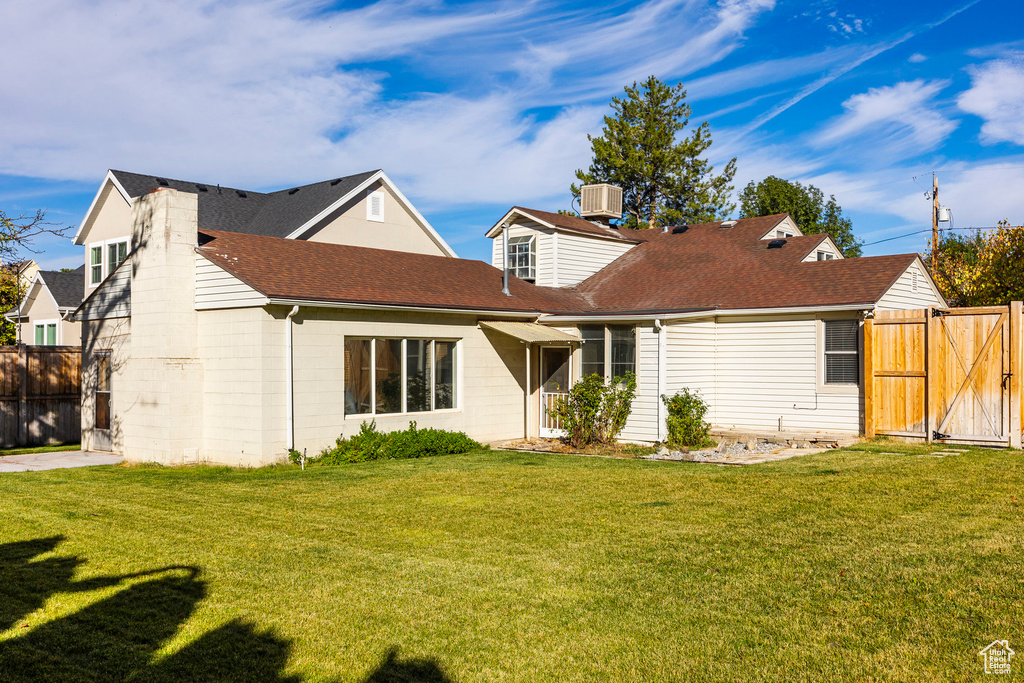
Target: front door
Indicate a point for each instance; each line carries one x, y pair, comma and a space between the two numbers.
555, 374
101, 433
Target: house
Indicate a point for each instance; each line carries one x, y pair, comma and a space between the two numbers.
43, 315
234, 326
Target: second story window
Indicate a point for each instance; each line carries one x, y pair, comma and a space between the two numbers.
522, 257
116, 253
95, 265
825, 256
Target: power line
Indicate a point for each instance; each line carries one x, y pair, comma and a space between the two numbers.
919, 232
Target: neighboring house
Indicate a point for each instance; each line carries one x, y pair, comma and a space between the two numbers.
44, 313
235, 325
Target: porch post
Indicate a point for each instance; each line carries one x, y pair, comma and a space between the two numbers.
526, 414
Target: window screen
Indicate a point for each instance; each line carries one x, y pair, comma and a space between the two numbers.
522, 257
444, 375
592, 353
358, 392
842, 360
389, 375
417, 375
623, 340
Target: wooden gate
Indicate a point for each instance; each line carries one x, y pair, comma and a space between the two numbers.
40, 395
950, 375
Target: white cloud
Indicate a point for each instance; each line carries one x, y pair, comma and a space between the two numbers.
899, 120
917, 58
997, 96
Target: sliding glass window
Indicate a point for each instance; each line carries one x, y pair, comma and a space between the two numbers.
389, 376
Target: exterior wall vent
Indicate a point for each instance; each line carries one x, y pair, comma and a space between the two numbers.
601, 201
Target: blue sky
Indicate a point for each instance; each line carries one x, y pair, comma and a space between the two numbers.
472, 107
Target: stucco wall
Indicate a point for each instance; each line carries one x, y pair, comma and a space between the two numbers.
39, 306
399, 230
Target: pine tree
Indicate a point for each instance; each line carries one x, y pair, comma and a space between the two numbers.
664, 178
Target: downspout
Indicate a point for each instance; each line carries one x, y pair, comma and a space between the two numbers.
504, 261
659, 327
526, 410
289, 380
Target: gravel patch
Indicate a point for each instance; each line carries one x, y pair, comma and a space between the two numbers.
722, 452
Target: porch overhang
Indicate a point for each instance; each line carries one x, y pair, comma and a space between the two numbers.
530, 333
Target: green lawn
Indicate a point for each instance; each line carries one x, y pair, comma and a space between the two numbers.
851, 565
41, 449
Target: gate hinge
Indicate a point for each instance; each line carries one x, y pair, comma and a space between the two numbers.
939, 436
938, 313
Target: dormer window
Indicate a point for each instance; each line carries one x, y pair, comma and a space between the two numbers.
783, 234
522, 257
825, 256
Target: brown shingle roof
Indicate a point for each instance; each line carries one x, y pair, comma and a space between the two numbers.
731, 268
577, 224
317, 271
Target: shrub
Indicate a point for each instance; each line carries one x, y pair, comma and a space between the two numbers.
370, 444
594, 412
685, 420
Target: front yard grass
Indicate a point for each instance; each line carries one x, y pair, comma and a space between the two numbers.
41, 449
847, 565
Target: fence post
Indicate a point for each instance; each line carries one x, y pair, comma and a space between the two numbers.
1016, 369
22, 394
869, 378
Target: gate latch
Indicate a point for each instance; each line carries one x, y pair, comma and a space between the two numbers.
938, 313
939, 436
1006, 379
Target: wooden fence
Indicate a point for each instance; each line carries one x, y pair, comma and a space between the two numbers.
40, 395
949, 375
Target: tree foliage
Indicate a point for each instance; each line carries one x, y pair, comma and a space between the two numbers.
663, 175
807, 206
17, 236
981, 269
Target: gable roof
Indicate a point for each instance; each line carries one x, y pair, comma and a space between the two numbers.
557, 221
298, 270
711, 267
67, 289
284, 213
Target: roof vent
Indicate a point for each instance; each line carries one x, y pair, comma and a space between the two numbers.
241, 194
162, 182
293, 190
728, 224
680, 229
601, 201
335, 181
777, 244
201, 188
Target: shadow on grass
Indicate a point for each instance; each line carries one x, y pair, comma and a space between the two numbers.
117, 638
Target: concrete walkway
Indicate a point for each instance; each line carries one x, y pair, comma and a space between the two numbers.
56, 460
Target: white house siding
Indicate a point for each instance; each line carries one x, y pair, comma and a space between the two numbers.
563, 259
826, 246
217, 288
114, 299
902, 294
752, 371
580, 257
642, 424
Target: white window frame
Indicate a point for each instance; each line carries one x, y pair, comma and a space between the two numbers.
380, 196
783, 234
44, 323
105, 265
93, 281
530, 240
825, 255
373, 377
578, 362
850, 389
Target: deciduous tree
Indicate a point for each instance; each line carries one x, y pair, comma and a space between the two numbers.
981, 269
807, 206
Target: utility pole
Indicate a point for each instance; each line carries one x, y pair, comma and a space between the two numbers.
935, 222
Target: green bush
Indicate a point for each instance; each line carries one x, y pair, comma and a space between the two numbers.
594, 412
685, 420
370, 444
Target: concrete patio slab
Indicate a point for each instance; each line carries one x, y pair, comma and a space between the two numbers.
56, 460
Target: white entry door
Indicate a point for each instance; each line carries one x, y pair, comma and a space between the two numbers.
555, 375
